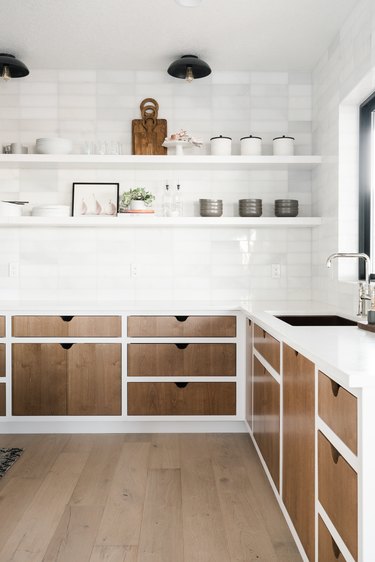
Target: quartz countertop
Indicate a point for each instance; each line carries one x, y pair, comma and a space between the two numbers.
346, 353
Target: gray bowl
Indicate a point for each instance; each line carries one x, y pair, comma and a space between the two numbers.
212, 213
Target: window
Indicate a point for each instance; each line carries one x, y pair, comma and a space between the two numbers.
367, 182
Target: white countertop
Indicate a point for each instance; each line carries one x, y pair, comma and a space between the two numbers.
346, 353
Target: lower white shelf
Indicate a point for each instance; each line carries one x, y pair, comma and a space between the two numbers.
156, 222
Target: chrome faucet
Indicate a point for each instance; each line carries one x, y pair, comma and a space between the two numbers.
364, 286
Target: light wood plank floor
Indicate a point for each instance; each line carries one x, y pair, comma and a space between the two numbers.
139, 498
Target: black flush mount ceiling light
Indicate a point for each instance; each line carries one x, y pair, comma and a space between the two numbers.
189, 67
10, 67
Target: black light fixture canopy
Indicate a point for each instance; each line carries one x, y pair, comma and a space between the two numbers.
10, 67
189, 67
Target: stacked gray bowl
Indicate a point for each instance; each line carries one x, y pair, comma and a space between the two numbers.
286, 207
250, 207
211, 207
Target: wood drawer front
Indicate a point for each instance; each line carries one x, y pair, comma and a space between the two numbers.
2, 326
2, 400
94, 379
338, 408
60, 326
2, 360
328, 549
169, 359
268, 347
38, 379
182, 326
266, 418
169, 399
338, 493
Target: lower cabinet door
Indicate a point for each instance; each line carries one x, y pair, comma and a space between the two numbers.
338, 492
249, 373
2, 360
266, 418
94, 379
181, 399
299, 445
38, 379
328, 549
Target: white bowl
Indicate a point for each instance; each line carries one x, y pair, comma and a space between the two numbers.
51, 211
10, 209
55, 145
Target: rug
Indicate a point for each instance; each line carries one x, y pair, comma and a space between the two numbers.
7, 458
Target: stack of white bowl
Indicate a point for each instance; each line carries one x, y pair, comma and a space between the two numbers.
51, 211
53, 145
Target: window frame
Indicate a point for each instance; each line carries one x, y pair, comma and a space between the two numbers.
366, 110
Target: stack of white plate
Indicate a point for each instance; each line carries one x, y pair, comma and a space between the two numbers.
51, 211
53, 145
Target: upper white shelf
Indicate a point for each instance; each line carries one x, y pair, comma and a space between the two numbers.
157, 222
155, 162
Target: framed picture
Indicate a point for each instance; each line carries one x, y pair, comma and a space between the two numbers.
95, 199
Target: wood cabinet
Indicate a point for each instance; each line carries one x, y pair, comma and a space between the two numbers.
94, 380
66, 379
38, 379
266, 418
249, 372
2, 400
2, 326
181, 399
338, 408
268, 347
2, 360
170, 359
182, 326
338, 492
328, 549
299, 445
62, 326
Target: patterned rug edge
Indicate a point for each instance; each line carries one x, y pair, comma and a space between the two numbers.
7, 458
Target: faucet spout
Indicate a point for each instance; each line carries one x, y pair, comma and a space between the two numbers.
352, 255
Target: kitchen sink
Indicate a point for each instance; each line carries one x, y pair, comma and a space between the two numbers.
317, 320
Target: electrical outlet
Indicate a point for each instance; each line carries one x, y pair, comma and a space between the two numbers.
133, 270
275, 271
13, 269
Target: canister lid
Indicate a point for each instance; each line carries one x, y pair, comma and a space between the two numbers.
284, 137
220, 137
251, 137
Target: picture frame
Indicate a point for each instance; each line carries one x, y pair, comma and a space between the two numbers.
95, 199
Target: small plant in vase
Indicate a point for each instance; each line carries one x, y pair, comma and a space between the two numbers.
137, 199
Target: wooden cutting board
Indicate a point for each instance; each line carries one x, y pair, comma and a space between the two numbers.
149, 133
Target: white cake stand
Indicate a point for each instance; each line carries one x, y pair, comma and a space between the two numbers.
177, 145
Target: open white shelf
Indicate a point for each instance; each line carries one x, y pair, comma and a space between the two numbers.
156, 162
157, 222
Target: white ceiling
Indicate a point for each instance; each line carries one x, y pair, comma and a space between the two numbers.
149, 34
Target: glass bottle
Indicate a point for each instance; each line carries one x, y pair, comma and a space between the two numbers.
167, 202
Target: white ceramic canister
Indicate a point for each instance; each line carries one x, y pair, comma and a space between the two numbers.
251, 146
10, 209
283, 146
221, 146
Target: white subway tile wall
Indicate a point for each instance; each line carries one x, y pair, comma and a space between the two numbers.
348, 60
180, 264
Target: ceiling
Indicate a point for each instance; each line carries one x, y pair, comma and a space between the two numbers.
148, 34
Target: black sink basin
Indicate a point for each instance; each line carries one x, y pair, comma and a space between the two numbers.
317, 320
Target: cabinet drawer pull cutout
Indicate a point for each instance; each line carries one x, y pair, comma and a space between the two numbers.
181, 345
66, 345
335, 454
335, 388
67, 318
181, 318
181, 384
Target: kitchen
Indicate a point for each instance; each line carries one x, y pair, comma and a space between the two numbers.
146, 343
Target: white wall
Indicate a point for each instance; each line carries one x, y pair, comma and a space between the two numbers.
349, 60
173, 264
